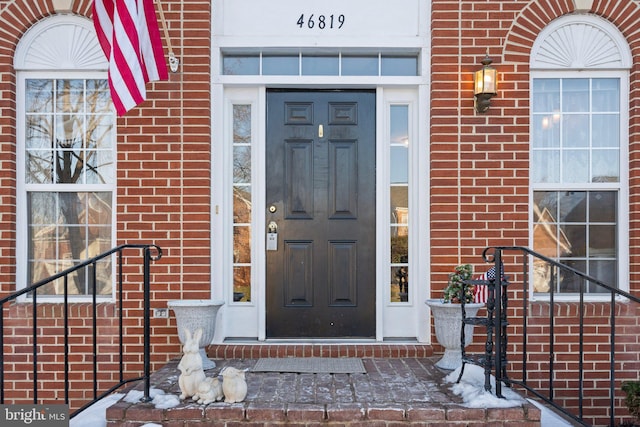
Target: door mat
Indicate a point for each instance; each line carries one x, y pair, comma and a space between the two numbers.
311, 365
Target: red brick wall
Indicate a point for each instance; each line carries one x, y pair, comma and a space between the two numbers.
479, 171
163, 197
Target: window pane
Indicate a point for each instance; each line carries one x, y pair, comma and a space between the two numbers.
399, 204
606, 166
606, 94
98, 97
39, 131
359, 65
399, 164
399, 284
399, 66
606, 130
575, 166
280, 65
39, 167
242, 283
603, 206
399, 244
575, 130
100, 131
602, 241
242, 204
320, 65
241, 65
70, 96
576, 239
545, 166
546, 95
575, 95
242, 244
242, 164
39, 96
604, 270
100, 166
547, 133
573, 206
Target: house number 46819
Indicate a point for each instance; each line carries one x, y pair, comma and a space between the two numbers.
321, 21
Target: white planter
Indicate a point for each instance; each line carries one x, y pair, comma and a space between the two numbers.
194, 314
448, 320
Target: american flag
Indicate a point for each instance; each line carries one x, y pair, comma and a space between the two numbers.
481, 292
130, 38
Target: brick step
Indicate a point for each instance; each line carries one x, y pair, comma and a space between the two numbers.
393, 392
361, 350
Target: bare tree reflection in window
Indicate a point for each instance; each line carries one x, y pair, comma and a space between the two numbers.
69, 142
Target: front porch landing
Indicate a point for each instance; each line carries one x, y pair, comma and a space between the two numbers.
400, 390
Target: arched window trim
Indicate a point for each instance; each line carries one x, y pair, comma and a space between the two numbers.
60, 42
576, 42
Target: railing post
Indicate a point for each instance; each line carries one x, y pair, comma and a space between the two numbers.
498, 321
147, 325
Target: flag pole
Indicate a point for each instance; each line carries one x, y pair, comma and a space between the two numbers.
173, 60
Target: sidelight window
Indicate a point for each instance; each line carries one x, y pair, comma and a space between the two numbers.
399, 201
242, 205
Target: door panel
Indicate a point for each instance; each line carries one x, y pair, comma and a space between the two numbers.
320, 180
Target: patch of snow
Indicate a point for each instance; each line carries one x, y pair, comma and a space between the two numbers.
166, 401
471, 389
95, 415
550, 418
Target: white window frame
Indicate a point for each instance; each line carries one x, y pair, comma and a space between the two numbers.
587, 46
620, 187
58, 47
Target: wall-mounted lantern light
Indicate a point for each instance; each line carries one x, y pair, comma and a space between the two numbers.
485, 85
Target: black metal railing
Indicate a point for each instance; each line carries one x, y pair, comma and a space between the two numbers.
85, 269
611, 303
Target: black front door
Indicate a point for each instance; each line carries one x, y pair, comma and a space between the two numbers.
320, 194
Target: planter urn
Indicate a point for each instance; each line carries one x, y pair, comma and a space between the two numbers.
447, 319
194, 314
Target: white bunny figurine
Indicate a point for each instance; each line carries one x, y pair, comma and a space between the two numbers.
209, 390
190, 366
234, 385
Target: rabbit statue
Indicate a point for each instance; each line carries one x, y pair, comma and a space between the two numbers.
190, 366
209, 390
234, 385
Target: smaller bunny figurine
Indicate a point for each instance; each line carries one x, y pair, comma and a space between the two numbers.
234, 385
190, 366
209, 390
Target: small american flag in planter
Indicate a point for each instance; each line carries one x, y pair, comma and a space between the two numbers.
481, 292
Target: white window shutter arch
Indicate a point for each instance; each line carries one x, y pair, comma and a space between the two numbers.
578, 42
60, 42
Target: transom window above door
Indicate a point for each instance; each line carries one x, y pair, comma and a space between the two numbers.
324, 63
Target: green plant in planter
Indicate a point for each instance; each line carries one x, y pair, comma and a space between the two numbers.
632, 390
456, 286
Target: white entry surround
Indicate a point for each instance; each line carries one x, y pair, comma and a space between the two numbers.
335, 27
